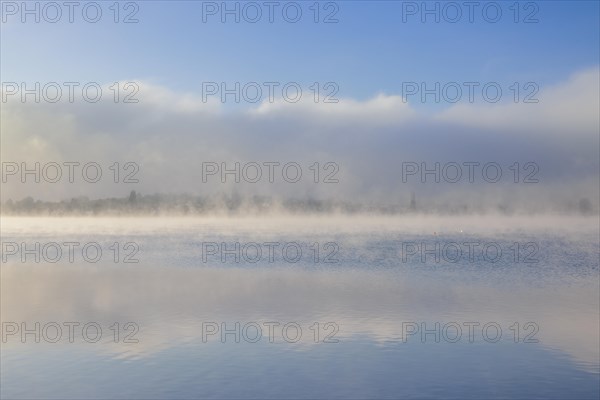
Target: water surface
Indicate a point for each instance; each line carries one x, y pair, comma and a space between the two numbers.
369, 296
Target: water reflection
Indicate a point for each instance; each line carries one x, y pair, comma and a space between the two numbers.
373, 308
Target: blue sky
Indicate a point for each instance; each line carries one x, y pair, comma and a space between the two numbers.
370, 50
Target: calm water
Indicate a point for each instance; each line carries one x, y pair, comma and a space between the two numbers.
368, 309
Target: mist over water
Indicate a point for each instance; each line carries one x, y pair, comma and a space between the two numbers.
299, 200
371, 294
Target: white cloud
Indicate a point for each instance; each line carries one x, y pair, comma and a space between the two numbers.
387, 109
170, 134
152, 95
570, 107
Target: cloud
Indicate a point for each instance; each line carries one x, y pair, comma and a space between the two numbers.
381, 109
568, 108
160, 97
170, 134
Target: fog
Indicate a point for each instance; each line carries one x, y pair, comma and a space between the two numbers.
172, 136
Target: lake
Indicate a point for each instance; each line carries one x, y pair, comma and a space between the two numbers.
301, 307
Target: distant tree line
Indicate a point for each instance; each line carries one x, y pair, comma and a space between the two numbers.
185, 204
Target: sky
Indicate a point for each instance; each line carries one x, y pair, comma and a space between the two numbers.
367, 61
369, 50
